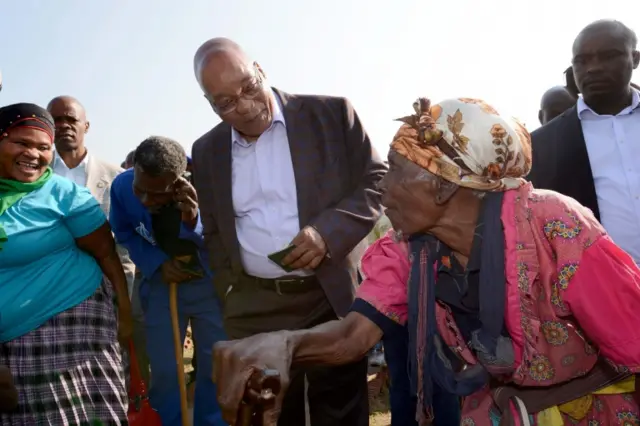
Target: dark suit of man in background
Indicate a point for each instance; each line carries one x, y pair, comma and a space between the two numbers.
591, 151
284, 169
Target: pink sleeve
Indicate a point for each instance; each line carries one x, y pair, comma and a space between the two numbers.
604, 298
385, 267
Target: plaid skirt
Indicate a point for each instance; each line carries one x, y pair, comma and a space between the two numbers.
69, 370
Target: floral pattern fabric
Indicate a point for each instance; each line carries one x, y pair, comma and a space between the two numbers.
467, 142
572, 298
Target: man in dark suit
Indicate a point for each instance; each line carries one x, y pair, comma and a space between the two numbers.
591, 151
286, 169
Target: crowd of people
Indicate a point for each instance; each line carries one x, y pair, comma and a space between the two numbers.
504, 294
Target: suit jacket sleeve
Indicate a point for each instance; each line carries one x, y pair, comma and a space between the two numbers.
147, 257
207, 218
346, 224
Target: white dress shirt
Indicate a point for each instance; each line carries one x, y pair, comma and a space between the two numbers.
77, 174
264, 194
613, 145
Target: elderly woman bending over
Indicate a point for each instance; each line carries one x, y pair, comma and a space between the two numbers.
515, 298
59, 273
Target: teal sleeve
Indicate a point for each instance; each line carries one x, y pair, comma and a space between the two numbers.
82, 212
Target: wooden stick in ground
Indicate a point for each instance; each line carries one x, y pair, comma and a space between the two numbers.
178, 346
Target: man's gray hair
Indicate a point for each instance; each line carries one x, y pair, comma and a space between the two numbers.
158, 155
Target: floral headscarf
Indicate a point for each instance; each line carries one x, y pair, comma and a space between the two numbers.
467, 142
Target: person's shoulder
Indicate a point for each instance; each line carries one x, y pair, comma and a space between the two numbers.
210, 137
339, 102
386, 246
552, 127
124, 178
108, 169
551, 206
61, 188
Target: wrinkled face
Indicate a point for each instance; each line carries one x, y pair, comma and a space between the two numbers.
603, 61
25, 154
237, 93
154, 192
71, 125
408, 195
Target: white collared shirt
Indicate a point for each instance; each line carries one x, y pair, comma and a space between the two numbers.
77, 174
265, 200
613, 145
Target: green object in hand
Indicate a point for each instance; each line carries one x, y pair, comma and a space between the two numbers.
279, 255
190, 265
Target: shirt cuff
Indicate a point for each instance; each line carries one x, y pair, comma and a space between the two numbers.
386, 324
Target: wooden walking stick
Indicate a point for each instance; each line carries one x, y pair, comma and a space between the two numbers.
178, 346
262, 390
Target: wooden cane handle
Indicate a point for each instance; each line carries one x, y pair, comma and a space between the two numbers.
262, 389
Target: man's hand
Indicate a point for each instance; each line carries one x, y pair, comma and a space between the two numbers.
172, 272
187, 201
236, 361
8, 392
310, 250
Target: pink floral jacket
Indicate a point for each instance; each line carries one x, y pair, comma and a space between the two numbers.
572, 295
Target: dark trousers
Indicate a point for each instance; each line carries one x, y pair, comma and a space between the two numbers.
446, 406
337, 396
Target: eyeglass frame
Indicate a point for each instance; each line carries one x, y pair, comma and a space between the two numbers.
259, 78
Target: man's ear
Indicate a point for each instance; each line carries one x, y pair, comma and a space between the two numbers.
540, 116
636, 59
86, 127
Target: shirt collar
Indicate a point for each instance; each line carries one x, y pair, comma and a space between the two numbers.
58, 161
278, 117
584, 110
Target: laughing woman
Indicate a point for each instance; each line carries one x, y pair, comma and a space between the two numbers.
59, 272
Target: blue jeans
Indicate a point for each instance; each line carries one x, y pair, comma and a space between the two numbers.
197, 303
446, 406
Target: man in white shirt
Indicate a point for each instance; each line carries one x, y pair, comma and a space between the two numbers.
591, 151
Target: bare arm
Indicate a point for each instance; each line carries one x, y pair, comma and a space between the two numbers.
101, 245
333, 343
336, 342
8, 393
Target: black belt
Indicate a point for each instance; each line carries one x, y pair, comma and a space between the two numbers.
282, 285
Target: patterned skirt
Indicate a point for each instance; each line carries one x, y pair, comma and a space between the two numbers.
69, 370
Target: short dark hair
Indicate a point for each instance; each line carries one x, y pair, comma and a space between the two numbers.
628, 34
157, 155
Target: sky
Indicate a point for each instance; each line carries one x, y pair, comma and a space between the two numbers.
131, 62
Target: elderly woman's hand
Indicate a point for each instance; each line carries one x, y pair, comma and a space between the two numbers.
236, 361
8, 392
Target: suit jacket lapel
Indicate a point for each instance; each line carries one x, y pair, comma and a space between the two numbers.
223, 194
304, 154
93, 176
576, 152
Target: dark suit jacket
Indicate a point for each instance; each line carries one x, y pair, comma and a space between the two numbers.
561, 162
336, 170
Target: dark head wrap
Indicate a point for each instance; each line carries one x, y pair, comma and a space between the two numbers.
25, 115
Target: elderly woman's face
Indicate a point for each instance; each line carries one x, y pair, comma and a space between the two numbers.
408, 195
25, 154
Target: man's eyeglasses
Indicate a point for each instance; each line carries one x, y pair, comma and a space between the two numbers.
250, 90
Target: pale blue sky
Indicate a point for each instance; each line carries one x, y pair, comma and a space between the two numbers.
130, 62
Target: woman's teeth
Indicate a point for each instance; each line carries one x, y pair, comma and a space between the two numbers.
34, 166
